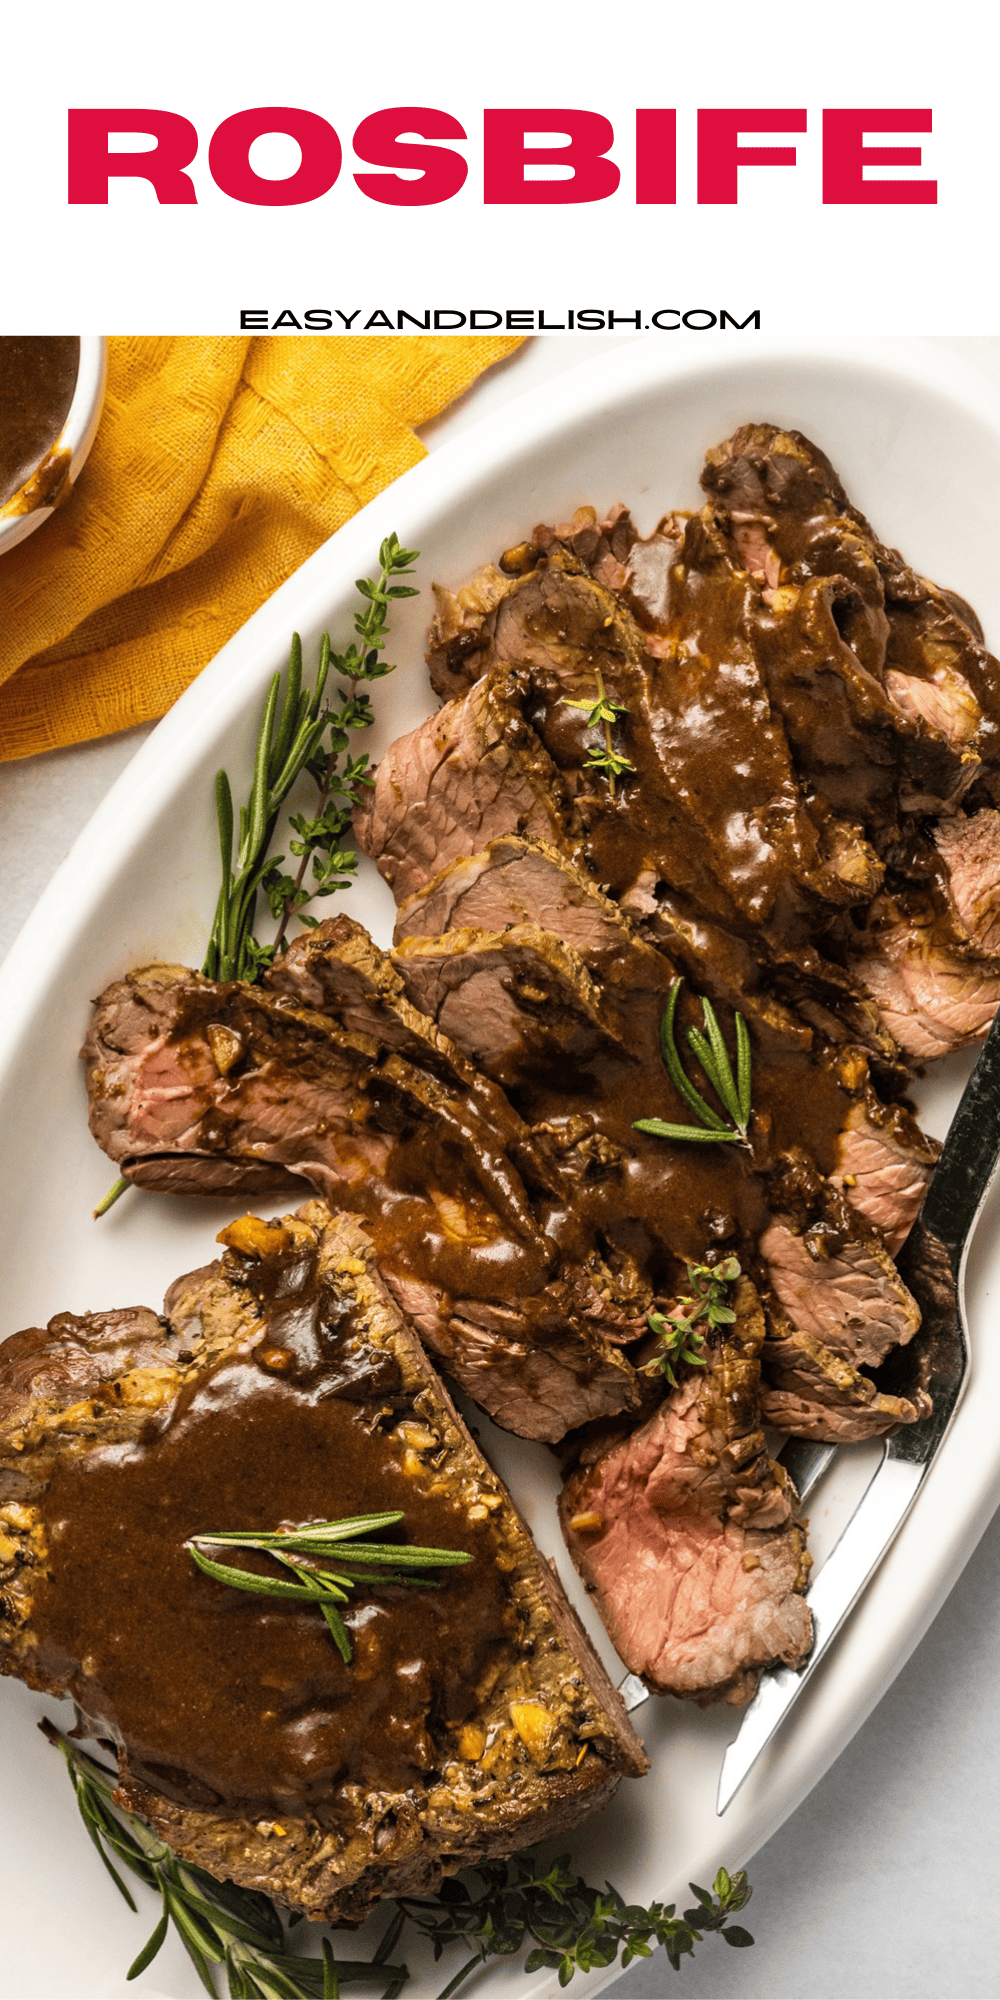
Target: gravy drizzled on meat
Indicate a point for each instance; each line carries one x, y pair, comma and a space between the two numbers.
282, 1387
804, 828
254, 1709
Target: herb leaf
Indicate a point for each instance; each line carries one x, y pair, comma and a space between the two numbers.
682, 1341
494, 1910
308, 735
602, 714
572, 1927
710, 1049
218, 1923
303, 1550
675, 1068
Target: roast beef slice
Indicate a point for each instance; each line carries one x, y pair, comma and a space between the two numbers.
461, 642
840, 1287
934, 994
336, 969
970, 850
414, 1155
884, 1166
180, 1065
540, 1367
691, 695
473, 771
515, 1001
544, 1739
814, 1393
781, 491
684, 1534
514, 881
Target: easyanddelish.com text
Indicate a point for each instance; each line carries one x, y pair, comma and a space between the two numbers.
492, 319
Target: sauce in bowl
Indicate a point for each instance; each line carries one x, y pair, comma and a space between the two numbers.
38, 376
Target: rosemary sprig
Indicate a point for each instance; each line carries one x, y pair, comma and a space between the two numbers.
289, 743
681, 1339
237, 1930
300, 731
495, 1910
603, 714
732, 1092
304, 1550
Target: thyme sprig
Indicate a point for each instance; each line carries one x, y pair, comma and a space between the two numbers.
603, 714
306, 734
302, 731
681, 1335
237, 1930
572, 1926
304, 1551
732, 1092
495, 1909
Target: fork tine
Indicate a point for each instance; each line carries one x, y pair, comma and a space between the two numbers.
879, 1514
933, 1265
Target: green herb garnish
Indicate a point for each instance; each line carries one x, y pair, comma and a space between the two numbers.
494, 1909
573, 1927
219, 1924
305, 735
732, 1092
603, 714
682, 1340
303, 1550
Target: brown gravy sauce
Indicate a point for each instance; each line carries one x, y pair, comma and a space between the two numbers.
37, 379
236, 1702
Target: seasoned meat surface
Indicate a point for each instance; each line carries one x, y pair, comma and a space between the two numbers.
282, 1386
752, 750
192, 1083
684, 1532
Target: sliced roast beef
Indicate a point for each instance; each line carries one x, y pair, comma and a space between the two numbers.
881, 1161
455, 639
515, 1001
839, 1285
516, 881
691, 701
969, 847
884, 1166
461, 641
420, 1159
539, 1367
180, 1065
934, 993
473, 771
684, 1533
812, 1392
337, 969
931, 665
282, 1388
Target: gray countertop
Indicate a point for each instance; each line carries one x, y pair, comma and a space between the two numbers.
882, 1884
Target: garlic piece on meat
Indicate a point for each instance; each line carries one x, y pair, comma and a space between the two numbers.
226, 1045
534, 1725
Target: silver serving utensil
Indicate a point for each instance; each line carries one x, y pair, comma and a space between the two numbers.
933, 1264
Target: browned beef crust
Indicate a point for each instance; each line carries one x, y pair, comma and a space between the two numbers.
195, 1085
684, 1532
501, 1730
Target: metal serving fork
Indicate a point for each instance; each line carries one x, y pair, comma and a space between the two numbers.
933, 1264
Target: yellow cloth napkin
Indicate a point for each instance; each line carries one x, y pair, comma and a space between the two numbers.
219, 466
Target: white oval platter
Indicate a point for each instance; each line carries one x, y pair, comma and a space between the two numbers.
915, 435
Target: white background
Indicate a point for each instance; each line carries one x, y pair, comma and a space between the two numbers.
137, 266
883, 1884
